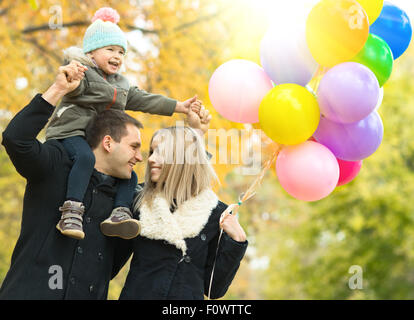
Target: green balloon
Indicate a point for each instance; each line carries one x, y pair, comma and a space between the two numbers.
377, 56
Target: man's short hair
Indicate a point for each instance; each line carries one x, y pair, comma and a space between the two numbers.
109, 122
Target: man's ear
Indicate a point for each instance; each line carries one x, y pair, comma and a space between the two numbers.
107, 143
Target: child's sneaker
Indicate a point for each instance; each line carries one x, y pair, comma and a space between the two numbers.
121, 224
70, 223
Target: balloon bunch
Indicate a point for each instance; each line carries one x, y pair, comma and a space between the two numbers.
318, 92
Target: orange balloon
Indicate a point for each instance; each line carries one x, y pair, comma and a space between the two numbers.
336, 30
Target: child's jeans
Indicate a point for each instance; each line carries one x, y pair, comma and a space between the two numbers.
126, 190
83, 164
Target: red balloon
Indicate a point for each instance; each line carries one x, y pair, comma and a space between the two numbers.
348, 170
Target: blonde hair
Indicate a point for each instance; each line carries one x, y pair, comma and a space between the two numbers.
186, 170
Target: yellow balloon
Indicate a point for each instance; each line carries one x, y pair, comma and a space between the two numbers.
289, 114
372, 8
336, 30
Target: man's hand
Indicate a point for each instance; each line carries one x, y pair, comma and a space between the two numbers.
67, 80
70, 76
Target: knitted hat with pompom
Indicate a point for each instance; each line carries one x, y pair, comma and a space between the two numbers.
104, 31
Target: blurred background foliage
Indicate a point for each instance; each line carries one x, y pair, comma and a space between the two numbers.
297, 250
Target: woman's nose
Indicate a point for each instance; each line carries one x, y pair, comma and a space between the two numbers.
151, 158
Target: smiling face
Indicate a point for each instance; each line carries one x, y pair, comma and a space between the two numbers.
125, 154
156, 158
177, 168
109, 59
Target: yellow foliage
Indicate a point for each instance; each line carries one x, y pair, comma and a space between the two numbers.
190, 39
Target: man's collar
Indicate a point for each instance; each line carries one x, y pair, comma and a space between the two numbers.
103, 179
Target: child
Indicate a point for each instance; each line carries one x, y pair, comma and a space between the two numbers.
104, 47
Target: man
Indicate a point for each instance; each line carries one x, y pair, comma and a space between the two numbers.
45, 264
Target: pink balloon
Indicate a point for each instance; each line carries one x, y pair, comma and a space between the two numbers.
308, 171
348, 170
236, 89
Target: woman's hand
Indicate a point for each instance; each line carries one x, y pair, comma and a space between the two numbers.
200, 121
230, 224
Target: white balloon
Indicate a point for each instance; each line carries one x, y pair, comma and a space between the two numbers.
285, 55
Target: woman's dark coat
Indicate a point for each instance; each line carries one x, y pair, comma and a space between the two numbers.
160, 270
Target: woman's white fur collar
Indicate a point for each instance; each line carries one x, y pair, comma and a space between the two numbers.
186, 222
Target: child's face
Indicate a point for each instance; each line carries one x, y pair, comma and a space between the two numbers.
109, 59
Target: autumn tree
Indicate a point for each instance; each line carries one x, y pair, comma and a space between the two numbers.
297, 250
174, 47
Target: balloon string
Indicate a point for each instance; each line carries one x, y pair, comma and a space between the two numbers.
320, 72
251, 191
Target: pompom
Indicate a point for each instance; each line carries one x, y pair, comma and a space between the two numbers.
106, 14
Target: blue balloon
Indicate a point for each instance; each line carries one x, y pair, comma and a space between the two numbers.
393, 25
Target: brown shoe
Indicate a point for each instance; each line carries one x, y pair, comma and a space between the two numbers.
70, 223
121, 224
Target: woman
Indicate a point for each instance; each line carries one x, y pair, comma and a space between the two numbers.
180, 223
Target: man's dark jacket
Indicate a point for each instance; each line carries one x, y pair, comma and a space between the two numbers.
46, 264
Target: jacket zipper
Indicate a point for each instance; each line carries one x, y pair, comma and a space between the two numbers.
113, 100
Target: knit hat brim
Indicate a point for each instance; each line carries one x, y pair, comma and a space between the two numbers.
101, 34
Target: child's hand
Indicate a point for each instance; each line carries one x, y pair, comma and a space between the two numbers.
67, 80
184, 106
69, 76
196, 106
75, 71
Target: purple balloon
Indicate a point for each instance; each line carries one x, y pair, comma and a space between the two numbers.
348, 93
353, 141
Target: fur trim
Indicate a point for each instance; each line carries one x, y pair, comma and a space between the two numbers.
186, 222
75, 53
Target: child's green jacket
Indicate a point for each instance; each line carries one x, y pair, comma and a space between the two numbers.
97, 92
